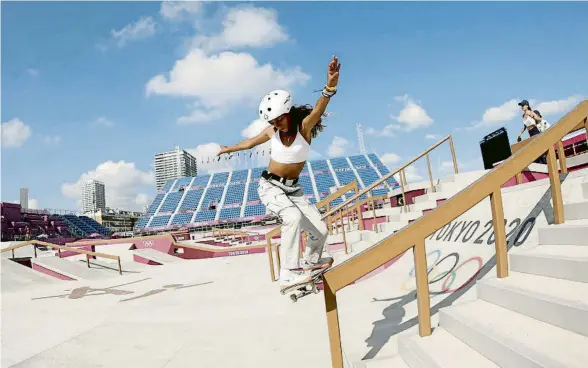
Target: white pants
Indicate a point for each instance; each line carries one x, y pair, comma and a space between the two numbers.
296, 213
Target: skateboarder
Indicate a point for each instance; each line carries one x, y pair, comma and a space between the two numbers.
290, 134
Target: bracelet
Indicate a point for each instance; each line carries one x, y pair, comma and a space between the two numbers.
328, 94
330, 89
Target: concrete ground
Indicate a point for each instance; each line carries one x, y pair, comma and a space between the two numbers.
219, 312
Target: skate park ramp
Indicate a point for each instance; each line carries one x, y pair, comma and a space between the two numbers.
17, 277
188, 313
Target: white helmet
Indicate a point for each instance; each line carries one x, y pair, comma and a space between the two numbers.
275, 104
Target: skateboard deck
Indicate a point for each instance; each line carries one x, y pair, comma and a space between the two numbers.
303, 289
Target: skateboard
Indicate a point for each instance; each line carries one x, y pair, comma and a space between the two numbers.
305, 288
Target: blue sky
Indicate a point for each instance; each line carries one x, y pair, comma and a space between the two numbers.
94, 90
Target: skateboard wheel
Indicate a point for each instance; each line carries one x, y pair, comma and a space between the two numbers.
315, 289
294, 298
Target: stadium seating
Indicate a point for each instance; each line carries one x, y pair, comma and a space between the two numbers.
233, 195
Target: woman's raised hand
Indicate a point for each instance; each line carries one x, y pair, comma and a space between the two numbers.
224, 149
333, 72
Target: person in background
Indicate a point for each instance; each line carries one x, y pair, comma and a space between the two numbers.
529, 120
542, 124
531, 124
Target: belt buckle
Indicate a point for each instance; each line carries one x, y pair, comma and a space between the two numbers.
288, 182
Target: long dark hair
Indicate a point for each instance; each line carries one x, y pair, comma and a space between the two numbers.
299, 112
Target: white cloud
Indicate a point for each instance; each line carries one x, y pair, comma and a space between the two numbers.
143, 28
558, 106
177, 10
412, 116
433, 136
505, 112
387, 131
244, 27
411, 174
122, 181
221, 81
208, 162
52, 140
103, 122
390, 158
142, 200
510, 110
15, 133
201, 115
338, 146
33, 72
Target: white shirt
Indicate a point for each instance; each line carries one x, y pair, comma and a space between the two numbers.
529, 122
543, 125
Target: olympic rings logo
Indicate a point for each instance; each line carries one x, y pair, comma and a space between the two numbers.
448, 276
148, 243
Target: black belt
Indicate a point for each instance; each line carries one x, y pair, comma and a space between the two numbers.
270, 176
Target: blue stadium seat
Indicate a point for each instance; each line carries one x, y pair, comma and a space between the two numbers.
239, 176
159, 221
191, 200
182, 218
255, 210
230, 213
155, 204
207, 191
235, 194
141, 222
200, 182
206, 215
252, 194
182, 182
171, 202
168, 185
219, 178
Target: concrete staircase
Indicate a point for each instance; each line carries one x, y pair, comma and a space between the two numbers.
535, 317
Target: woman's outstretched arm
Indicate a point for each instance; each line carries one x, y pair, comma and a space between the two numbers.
330, 89
262, 137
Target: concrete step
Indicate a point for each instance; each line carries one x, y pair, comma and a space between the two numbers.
391, 226
406, 216
569, 233
568, 262
73, 269
430, 197
440, 350
16, 276
585, 187
562, 303
576, 211
513, 340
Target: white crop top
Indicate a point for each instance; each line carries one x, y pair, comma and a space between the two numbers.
298, 151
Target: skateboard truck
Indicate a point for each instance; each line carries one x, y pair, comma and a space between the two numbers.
305, 288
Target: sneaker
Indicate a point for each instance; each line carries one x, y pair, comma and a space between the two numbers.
321, 264
292, 277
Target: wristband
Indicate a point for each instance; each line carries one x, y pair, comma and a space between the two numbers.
330, 89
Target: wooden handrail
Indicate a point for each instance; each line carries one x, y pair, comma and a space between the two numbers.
413, 235
63, 247
396, 171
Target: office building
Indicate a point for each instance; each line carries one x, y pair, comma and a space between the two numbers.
93, 196
24, 198
173, 164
